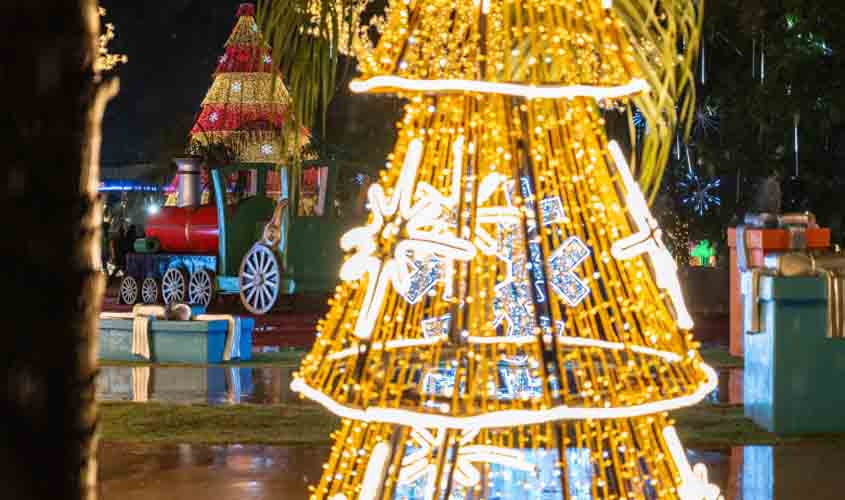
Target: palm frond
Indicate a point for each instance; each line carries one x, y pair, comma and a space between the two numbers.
307, 42
666, 35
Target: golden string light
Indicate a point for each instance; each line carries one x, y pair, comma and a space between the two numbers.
106, 61
509, 311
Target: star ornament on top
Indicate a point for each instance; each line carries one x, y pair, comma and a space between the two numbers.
414, 222
648, 240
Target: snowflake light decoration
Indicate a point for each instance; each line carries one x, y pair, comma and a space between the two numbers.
441, 382
266, 149
706, 119
551, 211
512, 298
407, 263
236, 87
562, 264
516, 382
648, 240
639, 119
213, 117
423, 279
267, 59
699, 194
512, 302
420, 462
435, 327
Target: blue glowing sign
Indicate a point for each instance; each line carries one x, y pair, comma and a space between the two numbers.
123, 186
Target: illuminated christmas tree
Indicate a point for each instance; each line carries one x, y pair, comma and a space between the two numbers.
510, 324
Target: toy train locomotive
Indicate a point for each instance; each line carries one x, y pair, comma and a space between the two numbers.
192, 252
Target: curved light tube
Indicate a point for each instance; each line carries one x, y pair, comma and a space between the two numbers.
635, 86
505, 418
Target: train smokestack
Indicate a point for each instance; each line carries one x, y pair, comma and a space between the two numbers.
190, 191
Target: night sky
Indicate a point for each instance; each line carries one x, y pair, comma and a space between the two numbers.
173, 46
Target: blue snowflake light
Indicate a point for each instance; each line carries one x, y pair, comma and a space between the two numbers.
503, 480
441, 382
513, 381
511, 304
551, 210
435, 327
639, 119
699, 194
707, 119
516, 382
423, 279
562, 263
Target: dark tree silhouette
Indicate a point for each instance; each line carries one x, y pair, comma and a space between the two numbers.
53, 100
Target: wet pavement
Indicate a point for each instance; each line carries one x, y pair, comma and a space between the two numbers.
776, 473
258, 385
187, 472
141, 472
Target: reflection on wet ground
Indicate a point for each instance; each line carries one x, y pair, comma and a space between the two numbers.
186, 472
189, 472
777, 473
209, 385
259, 385
246, 472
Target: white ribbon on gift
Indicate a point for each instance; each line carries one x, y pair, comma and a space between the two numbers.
233, 333
141, 315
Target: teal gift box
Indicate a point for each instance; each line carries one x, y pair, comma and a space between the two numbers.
193, 341
794, 373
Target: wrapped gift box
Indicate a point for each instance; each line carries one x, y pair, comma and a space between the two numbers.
759, 243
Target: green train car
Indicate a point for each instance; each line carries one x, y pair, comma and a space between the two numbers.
258, 247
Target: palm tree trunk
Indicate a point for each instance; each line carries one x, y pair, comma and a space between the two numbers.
53, 101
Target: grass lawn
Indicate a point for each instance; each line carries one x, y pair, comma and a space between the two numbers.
195, 424
717, 426
720, 357
703, 426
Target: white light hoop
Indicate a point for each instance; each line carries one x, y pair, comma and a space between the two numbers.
670, 357
394, 83
505, 418
580, 342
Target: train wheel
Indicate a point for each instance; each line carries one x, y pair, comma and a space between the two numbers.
201, 287
174, 286
259, 279
128, 290
150, 290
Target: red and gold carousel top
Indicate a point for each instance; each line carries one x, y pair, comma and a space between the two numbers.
248, 109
